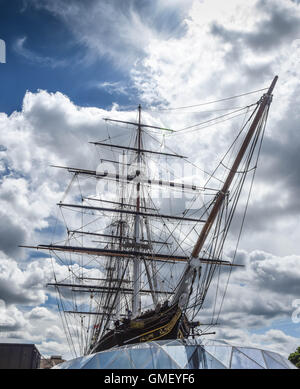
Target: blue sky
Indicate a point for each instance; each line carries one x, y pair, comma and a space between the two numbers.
71, 63
50, 59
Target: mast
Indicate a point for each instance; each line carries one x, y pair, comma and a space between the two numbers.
138, 254
194, 264
118, 264
136, 303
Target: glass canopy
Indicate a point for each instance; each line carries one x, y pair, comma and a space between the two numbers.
179, 354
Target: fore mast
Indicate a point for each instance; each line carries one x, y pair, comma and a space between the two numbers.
194, 265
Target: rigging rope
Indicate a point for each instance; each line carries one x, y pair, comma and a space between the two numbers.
212, 102
246, 206
216, 118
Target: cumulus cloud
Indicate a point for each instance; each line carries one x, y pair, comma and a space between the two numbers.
50, 129
272, 340
207, 57
278, 24
40, 326
11, 319
24, 286
257, 295
40, 313
11, 235
28, 312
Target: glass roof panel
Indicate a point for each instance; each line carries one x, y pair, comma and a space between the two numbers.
221, 353
122, 361
202, 358
107, 357
213, 363
93, 363
254, 354
164, 361
79, 363
240, 361
192, 357
272, 364
279, 358
178, 354
142, 358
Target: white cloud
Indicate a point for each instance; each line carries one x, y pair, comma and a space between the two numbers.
33, 57
117, 88
21, 287
195, 65
40, 313
11, 318
272, 340
25, 312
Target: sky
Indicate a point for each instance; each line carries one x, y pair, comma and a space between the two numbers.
69, 64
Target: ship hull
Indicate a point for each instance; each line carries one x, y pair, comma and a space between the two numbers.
168, 323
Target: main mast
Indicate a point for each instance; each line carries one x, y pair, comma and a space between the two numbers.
136, 303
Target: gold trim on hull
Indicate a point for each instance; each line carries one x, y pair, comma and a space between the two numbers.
161, 331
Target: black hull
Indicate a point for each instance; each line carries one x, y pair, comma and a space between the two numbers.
168, 323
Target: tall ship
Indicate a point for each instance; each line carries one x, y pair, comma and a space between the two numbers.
143, 246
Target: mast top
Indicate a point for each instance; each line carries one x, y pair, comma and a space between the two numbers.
139, 124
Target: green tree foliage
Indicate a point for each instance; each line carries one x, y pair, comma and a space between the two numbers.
295, 358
